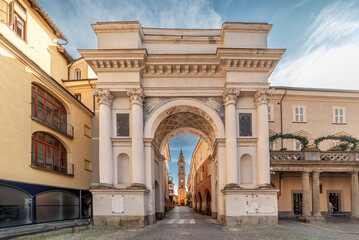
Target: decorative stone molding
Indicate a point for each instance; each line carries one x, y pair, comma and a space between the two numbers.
103, 96
262, 96
230, 96
136, 96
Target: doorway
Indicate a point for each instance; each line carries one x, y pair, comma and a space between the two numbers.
334, 199
297, 203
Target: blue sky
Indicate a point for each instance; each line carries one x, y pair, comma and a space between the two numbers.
187, 142
321, 36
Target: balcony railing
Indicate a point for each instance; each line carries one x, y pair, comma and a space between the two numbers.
47, 118
315, 154
38, 161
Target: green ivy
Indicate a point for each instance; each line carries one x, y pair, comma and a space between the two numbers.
351, 141
302, 140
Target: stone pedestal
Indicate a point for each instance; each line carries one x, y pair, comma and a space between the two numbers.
120, 207
250, 207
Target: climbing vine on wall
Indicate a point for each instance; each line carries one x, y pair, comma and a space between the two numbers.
304, 141
353, 142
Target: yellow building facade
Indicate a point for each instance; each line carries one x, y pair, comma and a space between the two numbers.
45, 157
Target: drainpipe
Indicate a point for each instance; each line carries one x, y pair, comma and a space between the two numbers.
281, 117
68, 69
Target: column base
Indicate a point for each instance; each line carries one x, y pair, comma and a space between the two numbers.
214, 215
317, 219
137, 186
354, 218
265, 186
101, 186
304, 218
232, 186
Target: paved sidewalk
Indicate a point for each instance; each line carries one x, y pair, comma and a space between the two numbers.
11, 232
183, 223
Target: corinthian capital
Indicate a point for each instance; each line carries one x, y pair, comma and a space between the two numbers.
136, 95
230, 96
103, 96
262, 96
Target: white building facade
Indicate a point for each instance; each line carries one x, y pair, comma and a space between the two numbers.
154, 84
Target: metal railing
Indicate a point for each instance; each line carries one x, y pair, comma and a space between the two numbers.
47, 163
41, 114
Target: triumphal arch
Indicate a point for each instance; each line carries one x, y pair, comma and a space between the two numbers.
154, 84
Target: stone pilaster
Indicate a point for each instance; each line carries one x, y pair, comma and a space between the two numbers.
104, 99
261, 99
230, 99
317, 215
138, 162
354, 196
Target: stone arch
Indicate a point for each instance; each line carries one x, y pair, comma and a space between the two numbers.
246, 169
161, 113
199, 202
207, 202
123, 169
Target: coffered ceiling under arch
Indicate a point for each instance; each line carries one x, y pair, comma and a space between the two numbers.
184, 120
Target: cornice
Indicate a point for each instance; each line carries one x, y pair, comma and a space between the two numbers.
183, 65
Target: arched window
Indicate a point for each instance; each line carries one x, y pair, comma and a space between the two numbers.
77, 74
48, 109
48, 152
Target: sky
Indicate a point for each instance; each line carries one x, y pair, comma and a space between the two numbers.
321, 37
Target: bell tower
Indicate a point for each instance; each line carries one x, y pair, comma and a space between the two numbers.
181, 180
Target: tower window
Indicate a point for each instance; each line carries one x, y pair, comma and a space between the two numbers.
77, 74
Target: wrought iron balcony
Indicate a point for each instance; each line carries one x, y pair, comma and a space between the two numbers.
47, 118
53, 165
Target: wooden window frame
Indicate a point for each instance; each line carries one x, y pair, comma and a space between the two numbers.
35, 89
61, 149
16, 19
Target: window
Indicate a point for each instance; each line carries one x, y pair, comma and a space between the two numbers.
181, 180
48, 109
17, 18
87, 165
299, 114
19, 26
78, 96
271, 145
339, 115
123, 124
48, 152
87, 131
181, 168
77, 74
245, 124
270, 113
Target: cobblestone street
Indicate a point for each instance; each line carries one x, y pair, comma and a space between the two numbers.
183, 223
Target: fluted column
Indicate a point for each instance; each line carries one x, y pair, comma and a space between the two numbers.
230, 100
305, 196
316, 197
104, 99
355, 196
138, 162
261, 99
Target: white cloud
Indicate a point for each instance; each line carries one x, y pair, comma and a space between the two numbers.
328, 58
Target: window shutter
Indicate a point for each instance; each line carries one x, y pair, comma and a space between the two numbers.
11, 13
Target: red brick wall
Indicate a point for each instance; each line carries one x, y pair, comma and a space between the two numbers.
205, 184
